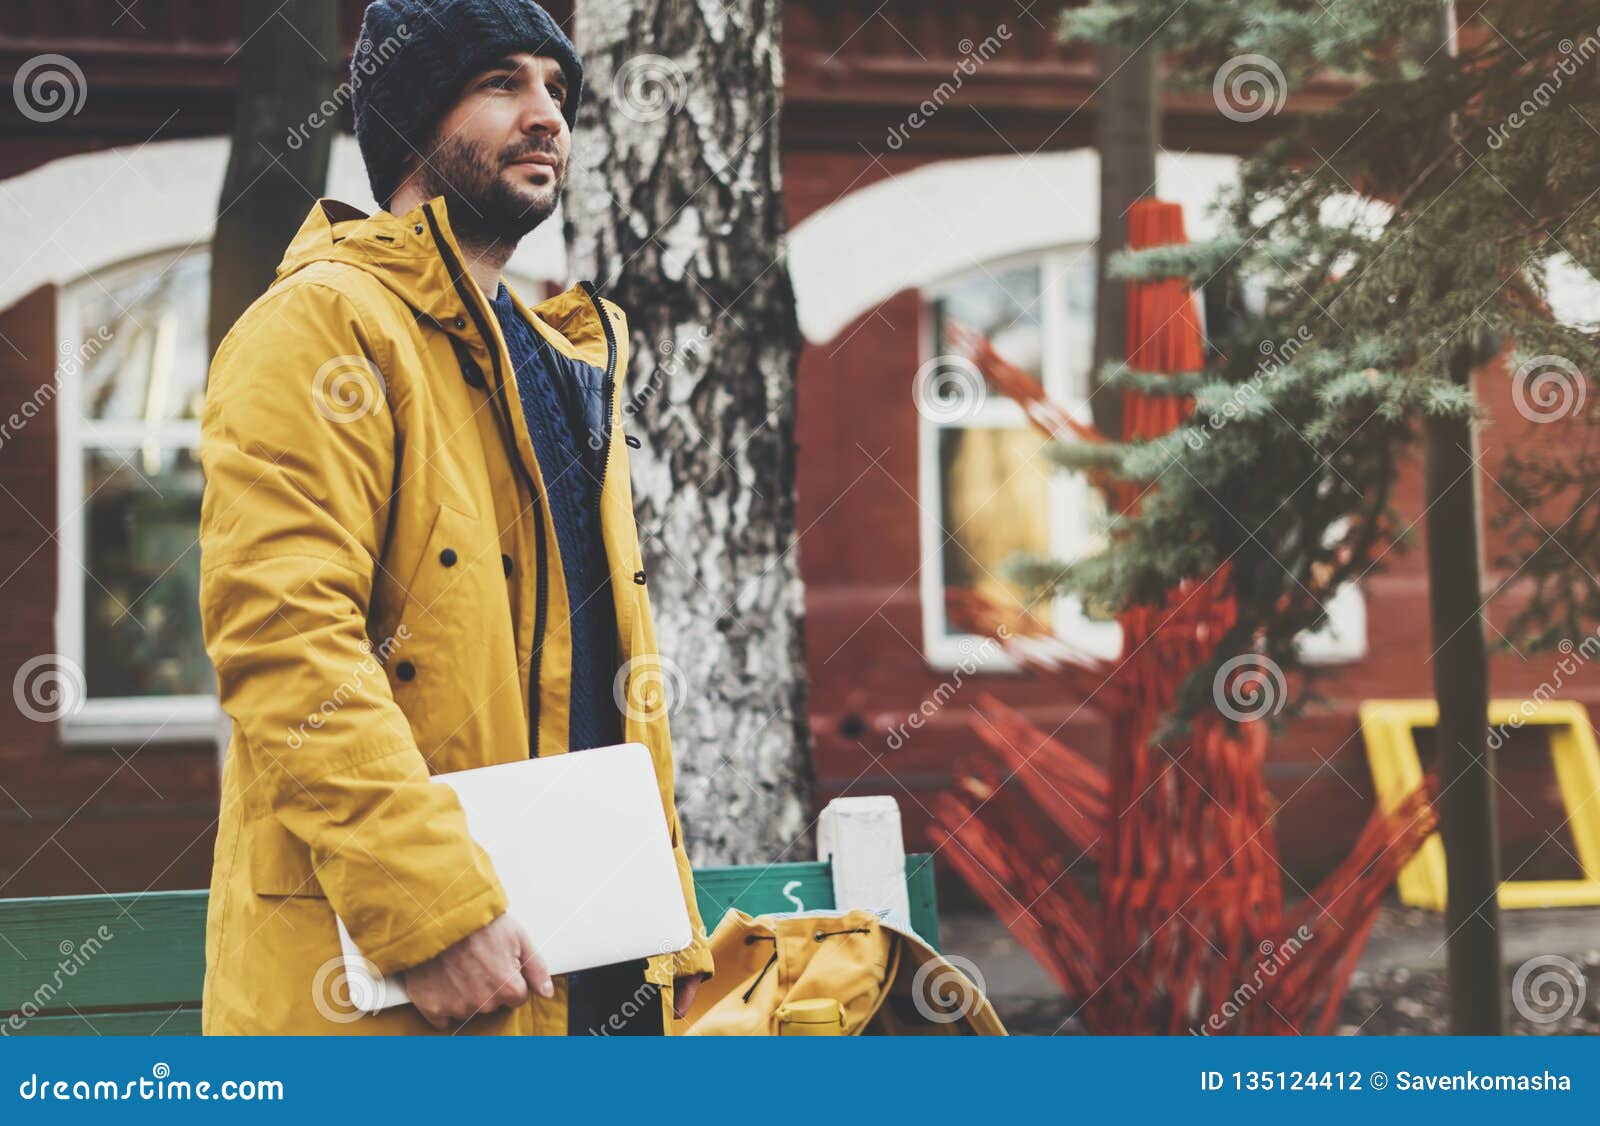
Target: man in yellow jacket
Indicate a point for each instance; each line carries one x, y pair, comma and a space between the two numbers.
418, 555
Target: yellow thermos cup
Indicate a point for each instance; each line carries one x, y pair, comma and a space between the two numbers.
815, 1016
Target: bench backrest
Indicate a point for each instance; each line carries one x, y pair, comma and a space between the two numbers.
132, 965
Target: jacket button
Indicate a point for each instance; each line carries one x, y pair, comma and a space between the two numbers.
505, 562
638, 577
405, 670
461, 322
448, 557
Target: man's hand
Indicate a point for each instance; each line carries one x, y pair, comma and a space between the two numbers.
491, 968
683, 991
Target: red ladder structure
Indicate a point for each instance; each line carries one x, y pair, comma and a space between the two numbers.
1188, 929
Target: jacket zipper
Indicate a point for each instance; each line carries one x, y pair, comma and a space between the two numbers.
610, 385
610, 389
503, 413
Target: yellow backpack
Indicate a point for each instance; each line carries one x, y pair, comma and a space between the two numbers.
834, 973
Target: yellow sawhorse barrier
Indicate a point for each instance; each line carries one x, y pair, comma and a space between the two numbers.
1389, 728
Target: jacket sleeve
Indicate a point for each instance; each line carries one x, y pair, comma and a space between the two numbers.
298, 446
696, 957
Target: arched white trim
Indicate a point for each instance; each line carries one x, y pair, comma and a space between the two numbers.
75, 216
953, 215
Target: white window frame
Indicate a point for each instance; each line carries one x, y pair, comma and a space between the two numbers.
1068, 493
1342, 640
184, 718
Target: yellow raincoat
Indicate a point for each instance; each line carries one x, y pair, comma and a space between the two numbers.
380, 586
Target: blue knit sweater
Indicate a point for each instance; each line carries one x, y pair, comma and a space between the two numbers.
562, 402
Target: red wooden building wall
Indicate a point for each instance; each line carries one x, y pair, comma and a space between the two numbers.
130, 817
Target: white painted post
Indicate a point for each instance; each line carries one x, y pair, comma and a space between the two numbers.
862, 837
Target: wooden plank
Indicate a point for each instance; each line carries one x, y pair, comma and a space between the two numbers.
808, 887
102, 951
924, 899
178, 1021
759, 889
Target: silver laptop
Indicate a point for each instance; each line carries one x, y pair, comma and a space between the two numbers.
580, 843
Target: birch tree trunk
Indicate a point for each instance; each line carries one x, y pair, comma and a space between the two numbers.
674, 208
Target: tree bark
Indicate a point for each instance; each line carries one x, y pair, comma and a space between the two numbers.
1466, 768
674, 208
1127, 135
1465, 800
288, 61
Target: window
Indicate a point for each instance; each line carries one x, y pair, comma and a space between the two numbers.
988, 492
132, 368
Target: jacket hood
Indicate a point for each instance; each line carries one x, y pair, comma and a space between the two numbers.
417, 257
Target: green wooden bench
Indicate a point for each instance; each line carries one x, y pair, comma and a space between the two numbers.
141, 974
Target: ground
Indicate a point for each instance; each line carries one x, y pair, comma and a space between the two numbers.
1398, 989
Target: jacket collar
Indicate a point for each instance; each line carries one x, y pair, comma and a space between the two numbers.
417, 257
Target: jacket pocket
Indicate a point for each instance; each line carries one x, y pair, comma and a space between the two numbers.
280, 862
446, 529
443, 592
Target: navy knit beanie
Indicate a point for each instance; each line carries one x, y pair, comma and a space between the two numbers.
413, 57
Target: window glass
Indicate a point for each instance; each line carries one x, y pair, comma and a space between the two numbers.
995, 504
1004, 305
133, 368
143, 339
141, 574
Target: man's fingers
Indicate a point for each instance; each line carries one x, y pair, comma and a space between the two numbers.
684, 989
493, 968
534, 971
513, 989
435, 1018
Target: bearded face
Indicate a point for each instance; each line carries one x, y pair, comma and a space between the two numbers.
500, 154
497, 194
